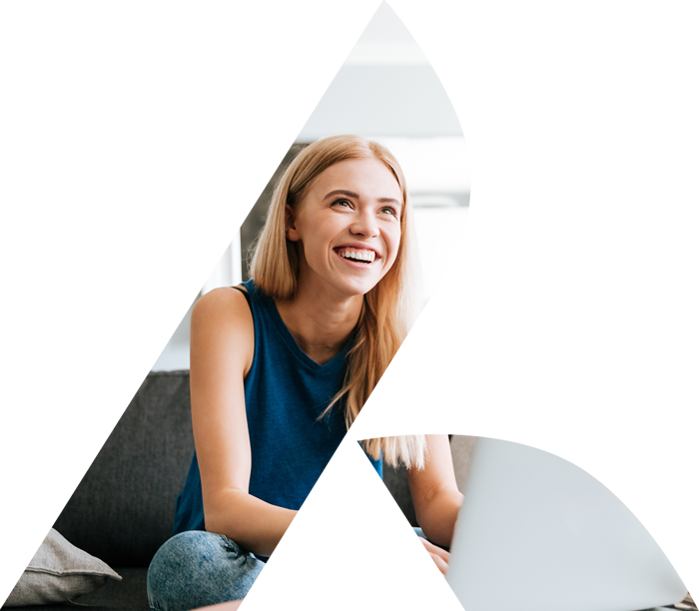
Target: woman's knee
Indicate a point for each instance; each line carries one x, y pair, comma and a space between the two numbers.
188, 550
198, 568
173, 567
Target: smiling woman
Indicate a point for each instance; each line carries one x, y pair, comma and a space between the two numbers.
382, 312
281, 366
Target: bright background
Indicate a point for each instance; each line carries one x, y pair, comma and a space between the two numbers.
387, 91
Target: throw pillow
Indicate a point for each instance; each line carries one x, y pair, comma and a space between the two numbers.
59, 572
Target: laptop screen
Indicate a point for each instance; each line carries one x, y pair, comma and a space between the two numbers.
537, 533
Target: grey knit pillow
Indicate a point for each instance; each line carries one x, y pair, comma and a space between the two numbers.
59, 572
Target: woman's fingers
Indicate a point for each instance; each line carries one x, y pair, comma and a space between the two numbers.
439, 556
441, 564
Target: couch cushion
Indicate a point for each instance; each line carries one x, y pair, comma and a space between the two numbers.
123, 509
59, 572
128, 595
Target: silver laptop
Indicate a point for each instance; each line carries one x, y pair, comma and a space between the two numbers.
536, 533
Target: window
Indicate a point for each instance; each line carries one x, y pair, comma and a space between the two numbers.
438, 173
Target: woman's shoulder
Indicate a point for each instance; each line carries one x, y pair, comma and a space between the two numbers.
224, 305
222, 295
223, 329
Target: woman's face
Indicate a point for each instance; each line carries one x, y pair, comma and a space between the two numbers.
348, 227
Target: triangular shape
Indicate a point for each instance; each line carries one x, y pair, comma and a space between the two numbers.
349, 547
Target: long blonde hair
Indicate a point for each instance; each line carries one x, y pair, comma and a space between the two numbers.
389, 308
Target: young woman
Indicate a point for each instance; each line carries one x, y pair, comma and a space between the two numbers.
281, 366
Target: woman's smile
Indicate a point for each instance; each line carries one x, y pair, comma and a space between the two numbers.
357, 254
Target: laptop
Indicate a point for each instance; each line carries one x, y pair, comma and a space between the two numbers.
537, 533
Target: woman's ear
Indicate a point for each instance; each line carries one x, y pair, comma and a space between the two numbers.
292, 233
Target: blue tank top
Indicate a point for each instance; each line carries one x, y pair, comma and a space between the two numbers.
285, 394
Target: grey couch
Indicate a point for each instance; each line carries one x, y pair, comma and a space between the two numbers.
123, 509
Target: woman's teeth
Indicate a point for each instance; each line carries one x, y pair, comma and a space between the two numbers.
366, 256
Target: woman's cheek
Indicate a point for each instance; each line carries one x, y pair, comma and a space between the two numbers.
396, 246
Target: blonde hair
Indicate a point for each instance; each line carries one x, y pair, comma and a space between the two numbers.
389, 308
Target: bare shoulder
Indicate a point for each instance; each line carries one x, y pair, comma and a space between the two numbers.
222, 322
224, 295
222, 305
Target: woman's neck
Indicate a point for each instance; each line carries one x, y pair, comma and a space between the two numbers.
320, 324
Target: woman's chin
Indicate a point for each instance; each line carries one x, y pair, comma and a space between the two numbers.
344, 282
359, 289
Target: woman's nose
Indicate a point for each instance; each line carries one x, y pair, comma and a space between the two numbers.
365, 224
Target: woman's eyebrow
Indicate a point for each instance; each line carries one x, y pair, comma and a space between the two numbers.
382, 200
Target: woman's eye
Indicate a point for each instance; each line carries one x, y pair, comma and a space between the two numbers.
389, 210
341, 203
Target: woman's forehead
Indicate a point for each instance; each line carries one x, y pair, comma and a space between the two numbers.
369, 177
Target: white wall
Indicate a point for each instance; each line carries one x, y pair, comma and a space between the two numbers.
383, 100
385, 89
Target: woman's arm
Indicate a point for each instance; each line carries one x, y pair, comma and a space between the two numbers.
222, 349
436, 498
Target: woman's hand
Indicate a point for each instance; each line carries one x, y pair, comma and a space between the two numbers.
438, 555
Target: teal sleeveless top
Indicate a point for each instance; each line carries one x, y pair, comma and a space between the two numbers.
285, 394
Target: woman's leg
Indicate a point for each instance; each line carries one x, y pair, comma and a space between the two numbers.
196, 569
